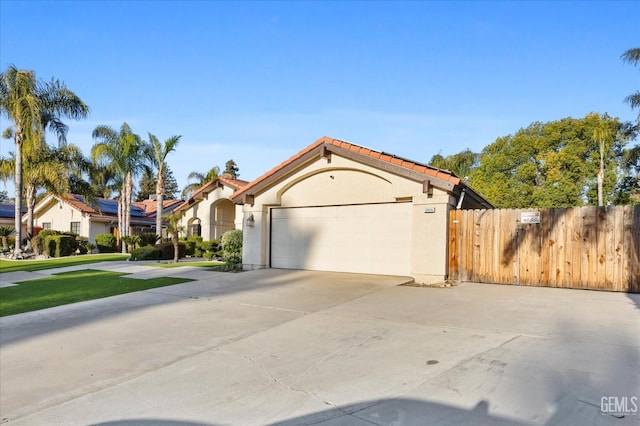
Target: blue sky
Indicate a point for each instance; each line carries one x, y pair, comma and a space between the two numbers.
258, 81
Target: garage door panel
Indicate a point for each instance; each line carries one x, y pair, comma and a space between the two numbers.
371, 238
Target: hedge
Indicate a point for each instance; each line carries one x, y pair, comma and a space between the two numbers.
166, 250
59, 245
146, 253
232, 249
106, 243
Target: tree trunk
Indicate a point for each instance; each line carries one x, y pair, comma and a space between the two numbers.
121, 205
159, 203
600, 183
31, 205
18, 194
174, 237
127, 207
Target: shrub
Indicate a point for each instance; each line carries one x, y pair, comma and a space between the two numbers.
190, 247
149, 239
59, 245
232, 249
38, 243
146, 253
82, 245
166, 250
106, 243
212, 246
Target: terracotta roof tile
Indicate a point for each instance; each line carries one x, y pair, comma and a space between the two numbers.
411, 165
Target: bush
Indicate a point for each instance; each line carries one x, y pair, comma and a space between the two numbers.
106, 243
82, 245
232, 249
213, 245
166, 250
149, 239
146, 253
190, 247
59, 245
37, 242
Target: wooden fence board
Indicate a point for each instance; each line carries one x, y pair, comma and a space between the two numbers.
582, 247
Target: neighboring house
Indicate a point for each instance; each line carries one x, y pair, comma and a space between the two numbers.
209, 212
336, 206
8, 214
88, 219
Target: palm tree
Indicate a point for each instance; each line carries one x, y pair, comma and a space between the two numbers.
200, 179
157, 155
602, 137
174, 228
123, 151
103, 180
34, 108
19, 102
5, 233
632, 56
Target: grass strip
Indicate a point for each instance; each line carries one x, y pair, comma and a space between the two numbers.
38, 265
203, 264
72, 287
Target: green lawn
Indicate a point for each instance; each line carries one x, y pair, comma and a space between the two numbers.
203, 264
72, 287
38, 265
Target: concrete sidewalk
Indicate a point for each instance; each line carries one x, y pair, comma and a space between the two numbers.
300, 347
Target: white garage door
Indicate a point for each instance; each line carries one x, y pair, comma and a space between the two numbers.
369, 238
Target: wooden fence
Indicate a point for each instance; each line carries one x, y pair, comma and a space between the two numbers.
594, 248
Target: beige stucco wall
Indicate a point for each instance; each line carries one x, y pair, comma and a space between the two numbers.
341, 182
216, 212
60, 215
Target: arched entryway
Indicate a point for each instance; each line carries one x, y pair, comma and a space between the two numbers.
194, 227
223, 216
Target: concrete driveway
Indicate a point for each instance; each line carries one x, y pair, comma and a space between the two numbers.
298, 347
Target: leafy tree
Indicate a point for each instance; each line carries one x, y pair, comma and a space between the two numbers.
551, 164
461, 164
199, 180
157, 153
4, 196
34, 107
147, 185
231, 168
123, 151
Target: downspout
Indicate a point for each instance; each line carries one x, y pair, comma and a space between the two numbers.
464, 191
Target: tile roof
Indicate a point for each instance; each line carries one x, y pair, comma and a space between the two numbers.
235, 184
377, 155
104, 208
149, 206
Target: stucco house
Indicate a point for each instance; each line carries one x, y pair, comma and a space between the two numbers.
336, 206
88, 219
209, 212
8, 214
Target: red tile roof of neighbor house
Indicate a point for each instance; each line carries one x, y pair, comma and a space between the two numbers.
235, 184
108, 208
149, 206
378, 155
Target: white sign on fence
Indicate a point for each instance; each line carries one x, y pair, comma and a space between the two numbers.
530, 217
